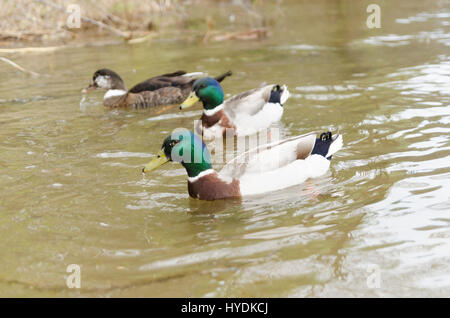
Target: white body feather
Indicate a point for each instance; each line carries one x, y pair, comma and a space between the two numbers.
114, 93
268, 157
249, 112
292, 174
250, 124
285, 95
194, 74
275, 166
337, 144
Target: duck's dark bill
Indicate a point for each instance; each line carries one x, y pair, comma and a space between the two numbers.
159, 160
190, 101
91, 87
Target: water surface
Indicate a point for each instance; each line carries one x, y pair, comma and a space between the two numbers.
72, 190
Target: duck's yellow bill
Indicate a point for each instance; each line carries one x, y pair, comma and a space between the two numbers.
190, 101
159, 160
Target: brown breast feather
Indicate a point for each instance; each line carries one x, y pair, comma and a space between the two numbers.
211, 187
219, 118
211, 120
116, 101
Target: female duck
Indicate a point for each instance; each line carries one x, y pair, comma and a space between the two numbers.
245, 114
269, 167
166, 89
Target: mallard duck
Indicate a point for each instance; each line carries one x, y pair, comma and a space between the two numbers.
166, 89
270, 167
245, 114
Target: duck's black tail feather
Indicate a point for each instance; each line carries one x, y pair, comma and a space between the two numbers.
279, 94
327, 144
220, 78
275, 94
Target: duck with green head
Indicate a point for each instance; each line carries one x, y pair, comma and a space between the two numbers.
245, 114
266, 169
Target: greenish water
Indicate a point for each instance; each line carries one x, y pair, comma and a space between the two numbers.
72, 190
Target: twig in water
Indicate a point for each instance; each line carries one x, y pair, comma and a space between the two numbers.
20, 68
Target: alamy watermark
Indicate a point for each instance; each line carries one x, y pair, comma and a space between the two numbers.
74, 18
74, 279
374, 19
374, 278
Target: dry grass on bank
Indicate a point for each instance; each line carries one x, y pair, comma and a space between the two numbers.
46, 20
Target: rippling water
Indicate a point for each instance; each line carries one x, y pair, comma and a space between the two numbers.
72, 190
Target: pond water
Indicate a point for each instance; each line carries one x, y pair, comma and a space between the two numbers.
72, 191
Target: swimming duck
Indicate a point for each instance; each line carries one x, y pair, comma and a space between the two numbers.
268, 168
166, 89
243, 114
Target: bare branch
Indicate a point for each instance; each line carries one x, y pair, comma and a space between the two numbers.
20, 68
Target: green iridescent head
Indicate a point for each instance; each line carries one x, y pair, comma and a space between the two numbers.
208, 91
185, 147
